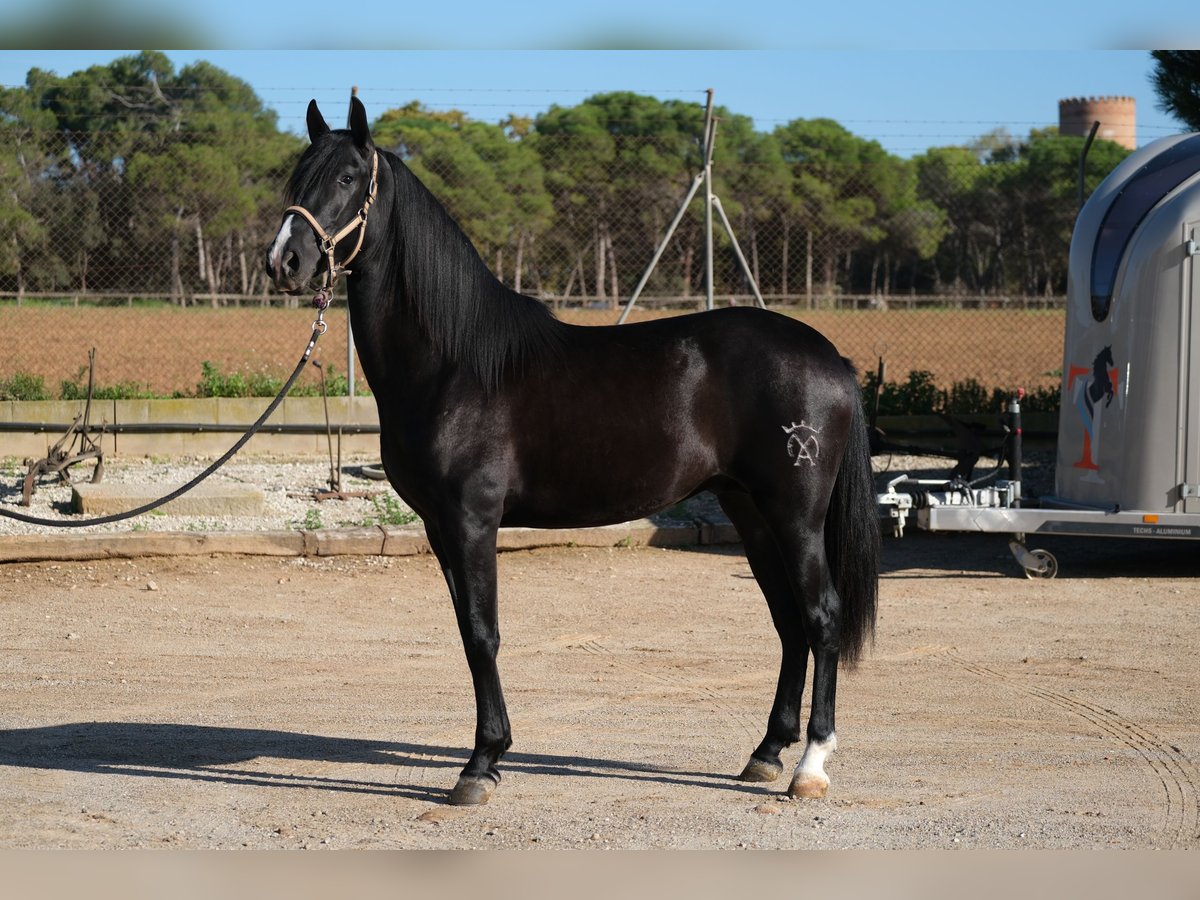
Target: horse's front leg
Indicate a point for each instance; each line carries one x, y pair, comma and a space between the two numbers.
467, 551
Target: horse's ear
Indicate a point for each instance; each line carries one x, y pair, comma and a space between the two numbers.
358, 125
316, 122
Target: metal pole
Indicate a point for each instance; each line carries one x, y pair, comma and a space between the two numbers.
709, 139
661, 247
349, 354
333, 473
1087, 145
1014, 447
738, 250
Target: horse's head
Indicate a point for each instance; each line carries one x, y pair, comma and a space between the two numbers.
331, 192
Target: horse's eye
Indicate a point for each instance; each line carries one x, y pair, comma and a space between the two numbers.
346, 179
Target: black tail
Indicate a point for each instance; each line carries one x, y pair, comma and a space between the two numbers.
852, 540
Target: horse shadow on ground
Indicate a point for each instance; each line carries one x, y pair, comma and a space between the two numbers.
223, 755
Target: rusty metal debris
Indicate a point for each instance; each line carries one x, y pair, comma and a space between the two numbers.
76, 446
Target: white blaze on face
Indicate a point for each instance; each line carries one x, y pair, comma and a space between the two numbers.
281, 239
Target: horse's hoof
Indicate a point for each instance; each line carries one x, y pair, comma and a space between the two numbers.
808, 786
758, 771
472, 791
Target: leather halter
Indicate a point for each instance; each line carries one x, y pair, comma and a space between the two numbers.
329, 242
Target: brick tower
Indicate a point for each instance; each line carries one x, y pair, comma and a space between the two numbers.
1117, 117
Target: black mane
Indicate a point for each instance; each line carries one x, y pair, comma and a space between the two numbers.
466, 312
469, 316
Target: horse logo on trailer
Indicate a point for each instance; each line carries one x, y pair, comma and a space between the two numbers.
1087, 388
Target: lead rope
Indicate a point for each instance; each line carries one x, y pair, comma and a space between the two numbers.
321, 301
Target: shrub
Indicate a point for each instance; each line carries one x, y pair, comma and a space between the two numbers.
215, 383
23, 386
920, 395
122, 390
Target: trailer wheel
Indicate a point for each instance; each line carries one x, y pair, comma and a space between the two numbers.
1047, 565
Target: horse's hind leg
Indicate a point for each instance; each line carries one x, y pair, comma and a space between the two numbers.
787, 555
767, 564
802, 549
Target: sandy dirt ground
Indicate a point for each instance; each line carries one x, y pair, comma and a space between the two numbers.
229, 702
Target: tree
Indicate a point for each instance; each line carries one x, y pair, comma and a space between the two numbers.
844, 185
750, 171
1176, 80
618, 166
947, 177
138, 164
24, 156
1042, 187
913, 230
489, 180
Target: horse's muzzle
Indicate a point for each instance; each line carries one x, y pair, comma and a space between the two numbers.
290, 263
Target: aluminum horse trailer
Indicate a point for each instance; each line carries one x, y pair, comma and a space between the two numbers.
1128, 461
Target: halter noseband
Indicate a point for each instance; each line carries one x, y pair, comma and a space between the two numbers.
329, 242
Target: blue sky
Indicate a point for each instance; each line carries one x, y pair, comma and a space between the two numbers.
696, 24
946, 90
907, 100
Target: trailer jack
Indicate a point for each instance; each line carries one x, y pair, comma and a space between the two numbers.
1036, 563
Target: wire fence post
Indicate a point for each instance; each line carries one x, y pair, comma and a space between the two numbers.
711, 201
710, 136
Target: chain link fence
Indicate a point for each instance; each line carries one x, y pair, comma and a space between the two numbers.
149, 245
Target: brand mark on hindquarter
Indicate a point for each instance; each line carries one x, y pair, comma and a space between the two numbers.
802, 442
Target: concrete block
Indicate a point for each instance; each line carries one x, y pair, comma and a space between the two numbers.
640, 533
55, 416
342, 410
718, 530
310, 543
252, 543
59, 412
129, 545
647, 534
57, 547
349, 542
202, 410
244, 410
532, 538
405, 540
23, 445
203, 500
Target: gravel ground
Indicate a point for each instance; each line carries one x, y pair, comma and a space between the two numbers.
288, 486
289, 483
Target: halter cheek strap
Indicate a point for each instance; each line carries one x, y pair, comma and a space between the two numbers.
328, 242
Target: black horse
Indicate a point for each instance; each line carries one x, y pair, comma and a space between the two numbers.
1101, 386
492, 412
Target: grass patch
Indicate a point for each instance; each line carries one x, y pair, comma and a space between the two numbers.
389, 511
